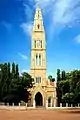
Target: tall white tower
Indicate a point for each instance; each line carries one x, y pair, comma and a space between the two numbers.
38, 52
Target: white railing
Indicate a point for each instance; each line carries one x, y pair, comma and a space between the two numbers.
25, 106
16, 106
62, 106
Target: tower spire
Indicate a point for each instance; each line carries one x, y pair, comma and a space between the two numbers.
38, 14
38, 20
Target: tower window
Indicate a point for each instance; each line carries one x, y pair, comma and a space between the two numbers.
41, 44
38, 26
39, 59
38, 79
36, 59
35, 43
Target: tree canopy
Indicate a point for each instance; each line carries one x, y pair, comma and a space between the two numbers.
13, 87
68, 86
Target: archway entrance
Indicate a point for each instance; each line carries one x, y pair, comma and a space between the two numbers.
39, 99
49, 102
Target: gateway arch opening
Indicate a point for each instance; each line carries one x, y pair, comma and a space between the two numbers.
39, 99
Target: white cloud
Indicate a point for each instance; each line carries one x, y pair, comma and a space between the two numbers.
27, 28
27, 25
24, 57
77, 39
62, 13
65, 11
28, 12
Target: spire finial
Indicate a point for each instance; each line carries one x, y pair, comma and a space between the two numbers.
37, 5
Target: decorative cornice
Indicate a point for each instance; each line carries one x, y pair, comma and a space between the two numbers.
36, 49
38, 69
38, 31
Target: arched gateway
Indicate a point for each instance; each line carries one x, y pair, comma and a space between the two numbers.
39, 99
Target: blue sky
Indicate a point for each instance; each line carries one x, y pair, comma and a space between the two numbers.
62, 26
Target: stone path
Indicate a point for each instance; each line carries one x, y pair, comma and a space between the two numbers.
37, 114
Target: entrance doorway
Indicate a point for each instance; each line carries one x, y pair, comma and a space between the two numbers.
49, 102
38, 99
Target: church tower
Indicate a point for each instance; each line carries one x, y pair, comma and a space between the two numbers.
43, 90
38, 52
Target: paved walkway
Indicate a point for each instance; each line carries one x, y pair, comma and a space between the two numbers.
37, 114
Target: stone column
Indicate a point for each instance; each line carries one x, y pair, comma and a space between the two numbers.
43, 100
60, 104
26, 104
12, 104
71, 105
34, 103
19, 104
54, 102
66, 104
7, 104
78, 105
46, 103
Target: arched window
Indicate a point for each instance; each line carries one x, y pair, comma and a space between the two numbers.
39, 59
35, 43
38, 26
38, 79
41, 43
36, 59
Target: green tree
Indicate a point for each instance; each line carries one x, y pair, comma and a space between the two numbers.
51, 78
13, 70
58, 75
4, 77
63, 75
26, 85
14, 88
69, 87
58, 87
17, 72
